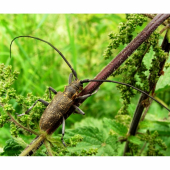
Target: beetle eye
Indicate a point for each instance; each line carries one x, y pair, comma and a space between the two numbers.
80, 88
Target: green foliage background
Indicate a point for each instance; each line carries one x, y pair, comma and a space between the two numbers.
82, 38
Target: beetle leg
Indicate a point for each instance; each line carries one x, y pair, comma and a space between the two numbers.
63, 131
70, 78
78, 110
51, 90
75, 111
86, 95
39, 100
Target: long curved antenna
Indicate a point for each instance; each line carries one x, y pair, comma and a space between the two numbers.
87, 80
73, 71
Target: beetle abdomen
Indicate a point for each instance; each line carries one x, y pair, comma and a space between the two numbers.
55, 110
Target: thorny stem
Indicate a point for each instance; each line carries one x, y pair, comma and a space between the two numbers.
116, 62
139, 109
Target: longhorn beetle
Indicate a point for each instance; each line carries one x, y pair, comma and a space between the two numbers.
61, 102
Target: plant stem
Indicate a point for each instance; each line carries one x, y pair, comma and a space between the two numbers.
146, 110
18, 124
48, 147
168, 26
21, 126
139, 109
151, 16
34, 145
142, 148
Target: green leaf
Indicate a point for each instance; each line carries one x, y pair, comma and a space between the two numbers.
12, 148
163, 82
1, 150
162, 127
116, 127
90, 134
110, 147
168, 35
92, 139
93, 122
42, 21
135, 140
98, 137
89, 121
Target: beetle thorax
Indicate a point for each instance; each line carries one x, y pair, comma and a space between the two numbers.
73, 89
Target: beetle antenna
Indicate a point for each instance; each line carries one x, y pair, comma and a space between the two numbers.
87, 80
73, 71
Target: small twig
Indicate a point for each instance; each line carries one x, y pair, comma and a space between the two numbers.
146, 110
142, 149
21, 126
151, 16
18, 124
49, 150
167, 26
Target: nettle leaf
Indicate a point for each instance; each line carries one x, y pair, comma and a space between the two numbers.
120, 129
156, 120
135, 140
90, 135
95, 138
164, 81
89, 121
110, 147
162, 127
12, 148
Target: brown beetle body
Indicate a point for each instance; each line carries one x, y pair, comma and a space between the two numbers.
60, 105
